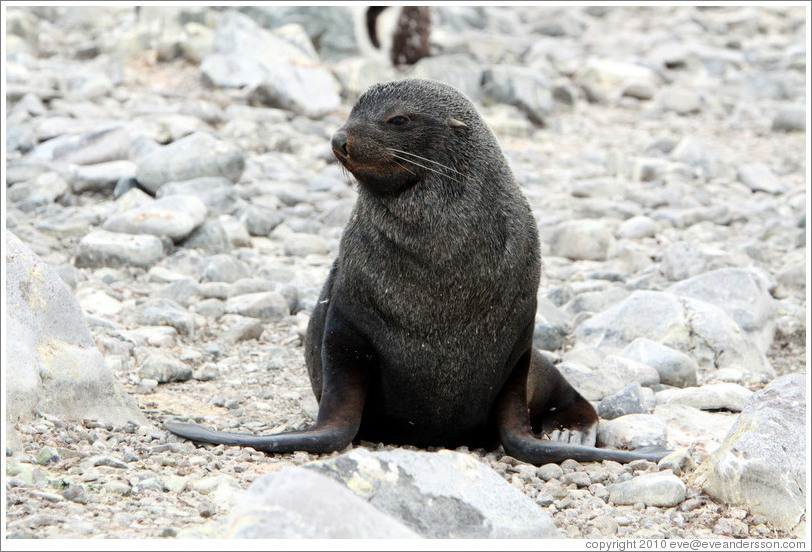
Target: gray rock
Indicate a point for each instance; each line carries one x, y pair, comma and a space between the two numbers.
637, 227
549, 337
596, 301
259, 220
600, 380
224, 268
549, 471
242, 330
440, 494
674, 367
790, 119
632, 431
606, 80
759, 178
681, 260
698, 154
716, 396
194, 156
211, 238
163, 368
309, 91
707, 332
458, 70
42, 190
52, 364
174, 217
743, 293
265, 305
236, 232
688, 425
102, 248
628, 400
681, 101
101, 177
358, 74
663, 490
166, 312
761, 464
300, 503
110, 144
21, 170
585, 239
216, 192
328, 29
520, 87
300, 245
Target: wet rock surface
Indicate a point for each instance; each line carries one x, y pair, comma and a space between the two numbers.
173, 168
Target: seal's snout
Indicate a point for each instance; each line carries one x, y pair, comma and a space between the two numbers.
339, 143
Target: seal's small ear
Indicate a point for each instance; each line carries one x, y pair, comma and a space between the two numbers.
455, 123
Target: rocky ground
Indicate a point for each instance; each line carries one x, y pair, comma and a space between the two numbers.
672, 137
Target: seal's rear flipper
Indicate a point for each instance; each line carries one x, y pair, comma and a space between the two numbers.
557, 409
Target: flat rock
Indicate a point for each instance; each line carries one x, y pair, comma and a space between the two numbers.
174, 217
440, 494
759, 178
715, 396
663, 490
103, 248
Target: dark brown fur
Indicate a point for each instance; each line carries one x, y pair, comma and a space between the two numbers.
423, 331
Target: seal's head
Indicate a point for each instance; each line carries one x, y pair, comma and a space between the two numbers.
405, 132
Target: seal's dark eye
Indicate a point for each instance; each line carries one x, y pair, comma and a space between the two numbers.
398, 120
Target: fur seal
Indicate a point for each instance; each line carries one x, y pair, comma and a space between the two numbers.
423, 331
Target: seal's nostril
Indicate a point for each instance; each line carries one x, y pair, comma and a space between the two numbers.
339, 141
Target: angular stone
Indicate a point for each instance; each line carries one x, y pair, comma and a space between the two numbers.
675, 368
759, 178
266, 305
628, 400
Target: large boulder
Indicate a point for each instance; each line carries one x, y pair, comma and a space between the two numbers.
761, 464
52, 364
